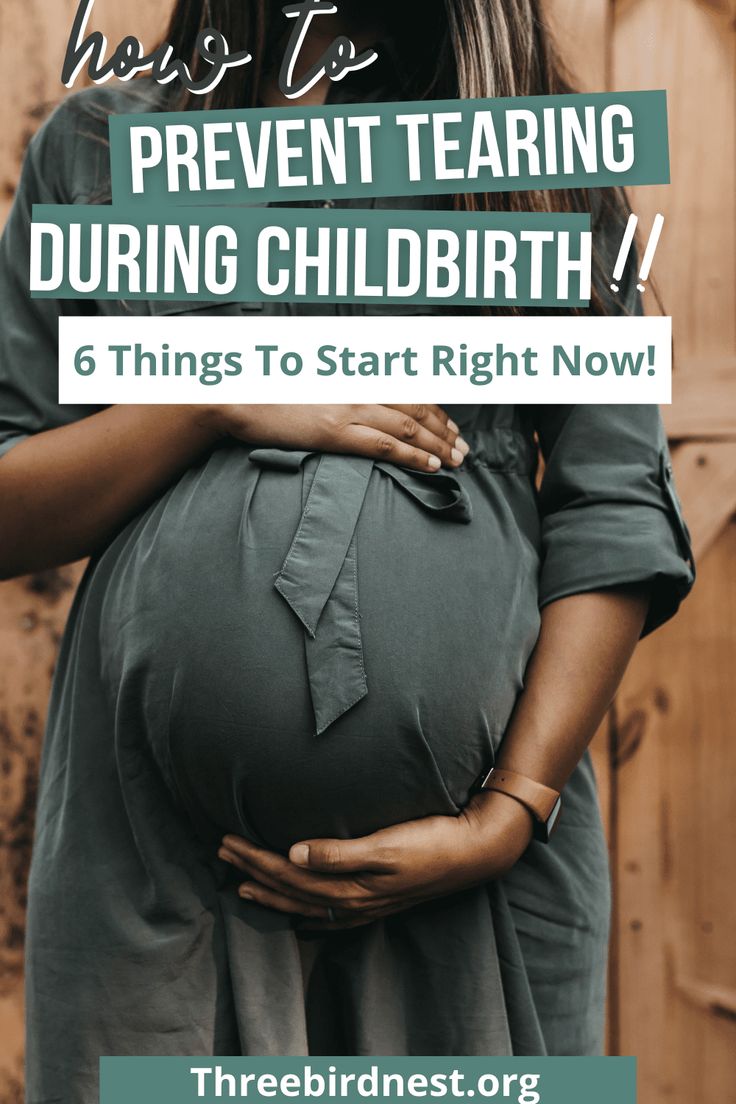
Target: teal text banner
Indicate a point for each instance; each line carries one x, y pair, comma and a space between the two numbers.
355, 1080
437, 147
242, 255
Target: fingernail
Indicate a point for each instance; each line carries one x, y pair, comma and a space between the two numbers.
463, 446
299, 854
224, 855
452, 427
434, 462
457, 456
246, 894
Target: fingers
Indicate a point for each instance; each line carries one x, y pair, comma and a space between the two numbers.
229, 856
270, 898
412, 429
365, 441
343, 922
435, 420
417, 436
319, 917
284, 876
379, 445
271, 877
334, 856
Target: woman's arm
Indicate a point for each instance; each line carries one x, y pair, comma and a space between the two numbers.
584, 646
65, 492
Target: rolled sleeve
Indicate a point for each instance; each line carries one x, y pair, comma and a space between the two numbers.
610, 512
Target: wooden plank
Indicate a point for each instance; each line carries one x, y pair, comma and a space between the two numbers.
705, 474
704, 400
581, 29
715, 1000
723, 7
32, 616
675, 963
676, 760
601, 752
689, 49
37, 31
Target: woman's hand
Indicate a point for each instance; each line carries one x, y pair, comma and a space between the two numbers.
336, 884
417, 436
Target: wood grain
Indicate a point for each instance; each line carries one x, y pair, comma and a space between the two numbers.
676, 962
31, 622
673, 965
705, 473
704, 406
581, 28
690, 50
37, 31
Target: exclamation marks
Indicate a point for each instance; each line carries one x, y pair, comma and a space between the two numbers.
649, 252
623, 253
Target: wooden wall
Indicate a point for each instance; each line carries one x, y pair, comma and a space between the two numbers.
666, 756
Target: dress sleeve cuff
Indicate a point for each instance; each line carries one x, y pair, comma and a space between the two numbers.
605, 543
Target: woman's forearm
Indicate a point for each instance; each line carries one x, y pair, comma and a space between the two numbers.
584, 646
65, 492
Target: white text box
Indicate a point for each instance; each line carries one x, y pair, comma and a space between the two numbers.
206, 358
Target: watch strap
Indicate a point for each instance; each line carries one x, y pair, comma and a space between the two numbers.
542, 802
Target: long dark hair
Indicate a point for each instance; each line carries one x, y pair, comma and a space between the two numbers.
448, 48
459, 48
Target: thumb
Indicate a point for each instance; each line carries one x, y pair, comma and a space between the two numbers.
335, 856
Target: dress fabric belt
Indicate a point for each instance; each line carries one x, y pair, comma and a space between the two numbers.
319, 577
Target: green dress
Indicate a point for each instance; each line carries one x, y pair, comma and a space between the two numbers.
288, 645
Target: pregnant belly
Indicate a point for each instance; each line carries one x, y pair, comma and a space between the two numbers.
321, 650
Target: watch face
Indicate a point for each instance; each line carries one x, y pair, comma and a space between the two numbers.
554, 817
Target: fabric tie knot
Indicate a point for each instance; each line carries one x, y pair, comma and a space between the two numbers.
318, 578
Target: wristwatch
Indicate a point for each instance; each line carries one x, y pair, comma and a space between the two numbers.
543, 802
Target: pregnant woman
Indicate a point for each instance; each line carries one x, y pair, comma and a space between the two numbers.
304, 635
